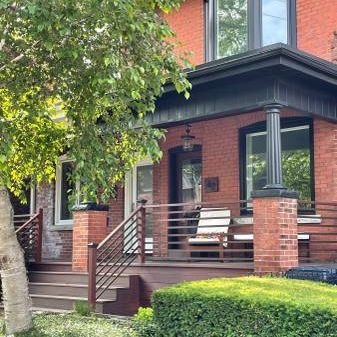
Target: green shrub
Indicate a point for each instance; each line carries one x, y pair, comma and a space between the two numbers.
144, 324
247, 307
82, 308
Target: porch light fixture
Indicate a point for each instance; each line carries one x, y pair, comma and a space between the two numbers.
187, 139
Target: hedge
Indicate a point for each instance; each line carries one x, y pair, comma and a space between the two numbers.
247, 307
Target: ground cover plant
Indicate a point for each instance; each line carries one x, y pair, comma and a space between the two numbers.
247, 306
73, 325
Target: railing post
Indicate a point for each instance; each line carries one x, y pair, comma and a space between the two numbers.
38, 252
141, 223
92, 265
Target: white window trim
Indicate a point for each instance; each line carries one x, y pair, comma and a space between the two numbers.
130, 201
32, 205
58, 182
131, 187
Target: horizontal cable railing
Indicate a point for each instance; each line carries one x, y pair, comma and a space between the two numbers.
109, 259
318, 230
199, 232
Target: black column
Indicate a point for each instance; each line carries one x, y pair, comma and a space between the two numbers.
274, 154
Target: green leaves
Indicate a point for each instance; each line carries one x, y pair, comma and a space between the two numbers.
247, 306
99, 64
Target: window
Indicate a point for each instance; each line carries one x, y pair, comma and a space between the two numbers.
296, 160
63, 188
274, 21
234, 26
231, 27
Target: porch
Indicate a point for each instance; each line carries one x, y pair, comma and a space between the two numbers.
128, 265
193, 225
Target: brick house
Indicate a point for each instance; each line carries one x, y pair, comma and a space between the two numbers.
260, 124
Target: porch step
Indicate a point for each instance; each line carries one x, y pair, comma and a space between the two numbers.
59, 289
63, 289
51, 266
52, 302
69, 277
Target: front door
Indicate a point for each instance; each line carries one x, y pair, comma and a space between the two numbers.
188, 169
185, 189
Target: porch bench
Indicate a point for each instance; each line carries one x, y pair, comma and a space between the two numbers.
303, 239
250, 237
212, 229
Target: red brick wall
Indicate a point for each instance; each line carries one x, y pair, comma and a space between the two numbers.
188, 25
275, 235
316, 28
56, 244
65, 244
316, 24
220, 155
89, 226
116, 209
325, 145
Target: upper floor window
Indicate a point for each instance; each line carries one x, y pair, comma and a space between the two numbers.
235, 26
274, 21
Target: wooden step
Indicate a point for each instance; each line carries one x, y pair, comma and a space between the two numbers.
55, 287
53, 302
63, 289
73, 278
51, 266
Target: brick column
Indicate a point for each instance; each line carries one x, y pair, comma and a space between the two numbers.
275, 231
90, 225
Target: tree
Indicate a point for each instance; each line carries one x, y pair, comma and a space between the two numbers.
100, 64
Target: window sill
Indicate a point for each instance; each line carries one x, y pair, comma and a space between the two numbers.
57, 228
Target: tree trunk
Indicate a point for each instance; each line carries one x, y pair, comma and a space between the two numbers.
17, 303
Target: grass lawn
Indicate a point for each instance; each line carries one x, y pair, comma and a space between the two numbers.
72, 325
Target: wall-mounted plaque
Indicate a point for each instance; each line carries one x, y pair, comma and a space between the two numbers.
211, 184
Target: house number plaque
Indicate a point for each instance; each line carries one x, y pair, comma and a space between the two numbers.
211, 184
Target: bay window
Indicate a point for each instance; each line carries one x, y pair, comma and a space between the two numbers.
235, 26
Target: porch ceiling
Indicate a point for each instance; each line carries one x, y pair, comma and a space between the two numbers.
249, 81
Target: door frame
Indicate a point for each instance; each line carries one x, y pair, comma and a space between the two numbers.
172, 176
130, 195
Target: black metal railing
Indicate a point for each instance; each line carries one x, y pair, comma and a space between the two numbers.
210, 232
317, 230
109, 259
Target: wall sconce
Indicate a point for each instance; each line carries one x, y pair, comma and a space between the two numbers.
187, 139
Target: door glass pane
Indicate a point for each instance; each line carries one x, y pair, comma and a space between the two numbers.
274, 21
145, 191
231, 27
296, 161
66, 187
191, 181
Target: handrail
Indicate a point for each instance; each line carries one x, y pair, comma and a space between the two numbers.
109, 259
118, 228
30, 236
208, 203
27, 223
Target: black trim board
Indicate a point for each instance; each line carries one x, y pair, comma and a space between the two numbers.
277, 74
